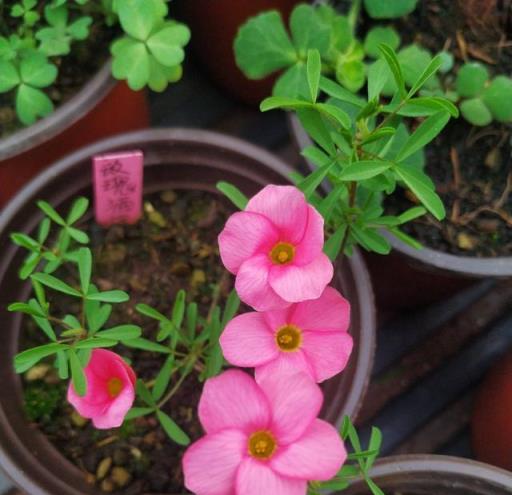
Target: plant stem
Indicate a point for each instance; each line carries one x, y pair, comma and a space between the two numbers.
173, 390
353, 14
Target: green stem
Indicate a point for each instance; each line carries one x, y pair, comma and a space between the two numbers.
173, 390
353, 14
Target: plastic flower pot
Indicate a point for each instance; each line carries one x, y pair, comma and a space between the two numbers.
103, 107
178, 159
408, 277
491, 425
435, 475
214, 25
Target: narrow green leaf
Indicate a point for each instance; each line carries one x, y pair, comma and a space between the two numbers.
62, 365
371, 240
174, 432
110, 296
37, 353
237, 197
137, 412
146, 345
231, 308
25, 241
77, 374
429, 71
56, 284
335, 114
317, 129
412, 214
365, 169
178, 310
333, 245
340, 93
425, 133
25, 308
77, 210
78, 235
314, 69
316, 156
85, 268
284, 103
393, 63
374, 444
163, 378
191, 321
95, 342
50, 212
309, 185
144, 393
146, 310
44, 230
121, 332
407, 239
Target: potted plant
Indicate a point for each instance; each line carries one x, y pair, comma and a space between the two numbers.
215, 25
173, 247
56, 88
462, 250
442, 475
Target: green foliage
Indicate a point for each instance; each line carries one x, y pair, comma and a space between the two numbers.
42, 401
364, 149
39, 34
389, 9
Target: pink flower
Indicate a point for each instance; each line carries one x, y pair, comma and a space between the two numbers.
310, 336
274, 248
261, 439
110, 390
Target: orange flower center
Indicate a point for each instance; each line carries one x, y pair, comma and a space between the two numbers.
114, 387
262, 445
282, 253
289, 338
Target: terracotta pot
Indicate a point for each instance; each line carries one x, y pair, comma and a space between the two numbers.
102, 108
435, 475
408, 278
177, 159
491, 424
214, 25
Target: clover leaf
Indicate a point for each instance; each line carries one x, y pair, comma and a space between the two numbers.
151, 53
389, 9
25, 9
498, 98
471, 79
56, 39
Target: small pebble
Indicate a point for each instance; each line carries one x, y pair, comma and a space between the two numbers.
77, 420
168, 197
198, 278
466, 242
103, 468
37, 372
180, 268
107, 486
120, 476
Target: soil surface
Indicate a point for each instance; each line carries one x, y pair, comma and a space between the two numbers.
75, 69
472, 167
173, 247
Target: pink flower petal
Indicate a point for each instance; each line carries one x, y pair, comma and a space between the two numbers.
278, 318
252, 285
285, 363
247, 341
210, 465
312, 242
299, 283
295, 400
233, 400
317, 455
257, 478
330, 312
285, 207
113, 415
327, 352
245, 234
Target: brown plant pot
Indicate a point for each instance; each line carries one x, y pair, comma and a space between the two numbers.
103, 107
435, 475
408, 278
214, 25
490, 425
177, 159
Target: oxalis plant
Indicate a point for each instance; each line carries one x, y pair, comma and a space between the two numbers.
264, 431
36, 36
264, 46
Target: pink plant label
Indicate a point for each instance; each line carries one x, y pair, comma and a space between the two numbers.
118, 187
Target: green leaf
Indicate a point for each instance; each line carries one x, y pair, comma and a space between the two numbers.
263, 46
50, 212
498, 96
374, 444
36, 71
378, 74
178, 310
333, 245
163, 378
412, 214
425, 133
370, 239
389, 9
373, 487
471, 80
402, 236
77, 210
121, 332
273, 102
9, 77
317, 129
351, 74
379, 35
85, 268
314, 68
137, 412
309, 30
424, 106
131, 61
146, 345
231, 308
110, 296
31, 104
335, 114
78, 235
138, 17
25, 308
429, 71
144, 393
146, 310
95, 342
77, 374
44, 230
394, 65
292, 83
62, 365
309, 185
56, 284
475, 111
238, 198
414, 179
336, 91
25, 241
166, 44
365, 169
174, 432
97, 315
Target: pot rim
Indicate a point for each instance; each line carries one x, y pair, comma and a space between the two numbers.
431, 463
91, 93
462, 265
230, 146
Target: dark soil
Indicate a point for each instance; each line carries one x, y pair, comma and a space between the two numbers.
173, 247
472, 167
75, 69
